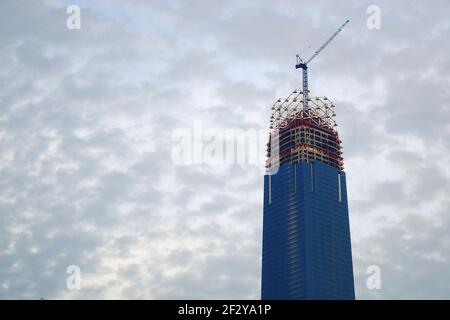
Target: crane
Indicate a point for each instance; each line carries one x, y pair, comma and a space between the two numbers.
304, 65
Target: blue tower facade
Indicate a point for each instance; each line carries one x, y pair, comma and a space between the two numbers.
306, 233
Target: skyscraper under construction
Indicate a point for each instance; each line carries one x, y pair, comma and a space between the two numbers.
306, 233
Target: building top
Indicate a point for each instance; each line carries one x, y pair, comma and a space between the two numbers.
320, 111
303, 135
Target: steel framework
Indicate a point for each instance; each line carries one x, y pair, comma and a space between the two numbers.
304, 135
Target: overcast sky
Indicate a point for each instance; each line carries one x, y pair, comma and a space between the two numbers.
86, 123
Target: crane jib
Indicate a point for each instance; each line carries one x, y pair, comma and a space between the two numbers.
304, 65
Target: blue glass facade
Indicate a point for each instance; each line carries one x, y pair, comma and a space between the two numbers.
306, 234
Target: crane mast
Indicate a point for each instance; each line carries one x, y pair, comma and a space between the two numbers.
304, 65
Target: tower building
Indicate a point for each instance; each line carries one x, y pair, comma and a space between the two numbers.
306, 234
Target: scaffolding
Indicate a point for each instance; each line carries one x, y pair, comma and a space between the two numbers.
304, 135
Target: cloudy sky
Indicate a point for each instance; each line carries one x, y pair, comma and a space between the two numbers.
87, 118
